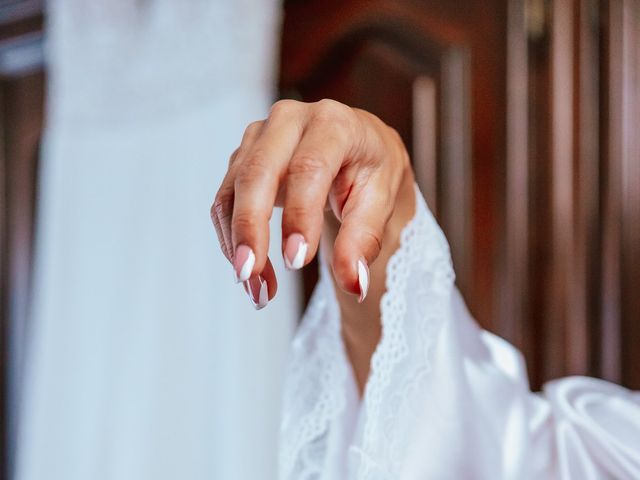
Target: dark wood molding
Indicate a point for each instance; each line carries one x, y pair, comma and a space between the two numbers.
587, 247
513, 277
620, 203
630, 192
612, 147
559, 315
454, 166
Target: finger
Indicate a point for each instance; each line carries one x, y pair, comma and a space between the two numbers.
222, 207
256, 186
312, 169
261, 288
216, 224
359, 240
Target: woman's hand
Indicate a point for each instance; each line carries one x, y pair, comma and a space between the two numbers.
305, 157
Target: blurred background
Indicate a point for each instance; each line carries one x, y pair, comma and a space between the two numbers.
127, 351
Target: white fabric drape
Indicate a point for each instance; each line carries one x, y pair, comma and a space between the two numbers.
146, 361
445, 399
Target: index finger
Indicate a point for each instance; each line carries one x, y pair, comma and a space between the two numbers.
256, 185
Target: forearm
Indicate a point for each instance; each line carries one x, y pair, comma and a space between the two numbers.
361, 327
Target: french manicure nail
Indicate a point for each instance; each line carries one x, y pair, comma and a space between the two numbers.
258, 291
295, 251
243, 262
363, 279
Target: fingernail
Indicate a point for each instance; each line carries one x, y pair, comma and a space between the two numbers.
243, 262
258, 291
295, 251
363, 279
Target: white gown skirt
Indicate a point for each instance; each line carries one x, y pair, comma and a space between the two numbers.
145, 360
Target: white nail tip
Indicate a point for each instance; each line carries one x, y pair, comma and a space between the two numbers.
298, 260
247, 268
263, 295
363, 279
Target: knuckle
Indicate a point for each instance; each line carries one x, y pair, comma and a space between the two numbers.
308, 163
253, 170
233, 158
283, 107
254, 166
343, 131
297, 213
399, 154
252, 129
213, 213
373, 239
247, 178
330, 110
220, 207
338, 117
330, 106
256, 159
396, 138
392, 134
246, 221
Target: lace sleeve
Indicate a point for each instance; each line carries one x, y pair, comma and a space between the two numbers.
314, 390
420, 280
315, 393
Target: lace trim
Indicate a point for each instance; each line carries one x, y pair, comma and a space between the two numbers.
421, 268
419, 284
314, 394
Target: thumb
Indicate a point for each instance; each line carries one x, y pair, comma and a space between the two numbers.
359, 239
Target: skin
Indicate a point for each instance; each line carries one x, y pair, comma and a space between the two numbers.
342, 177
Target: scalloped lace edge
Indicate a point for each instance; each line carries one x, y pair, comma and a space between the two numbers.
319, 365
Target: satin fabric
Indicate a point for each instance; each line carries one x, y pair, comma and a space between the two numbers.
445, 399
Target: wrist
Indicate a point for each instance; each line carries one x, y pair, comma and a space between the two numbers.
361, 326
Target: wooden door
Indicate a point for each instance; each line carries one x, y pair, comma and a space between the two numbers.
517, 115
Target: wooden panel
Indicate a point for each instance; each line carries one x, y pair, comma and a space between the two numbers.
621, 193
631, 194
522, 117
586, 275
539, 246
418, 66
576, 316
560, 320
513, 266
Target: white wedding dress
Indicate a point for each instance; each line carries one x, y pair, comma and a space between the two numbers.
146, 361
445, 399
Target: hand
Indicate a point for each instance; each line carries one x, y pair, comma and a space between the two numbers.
307, 157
